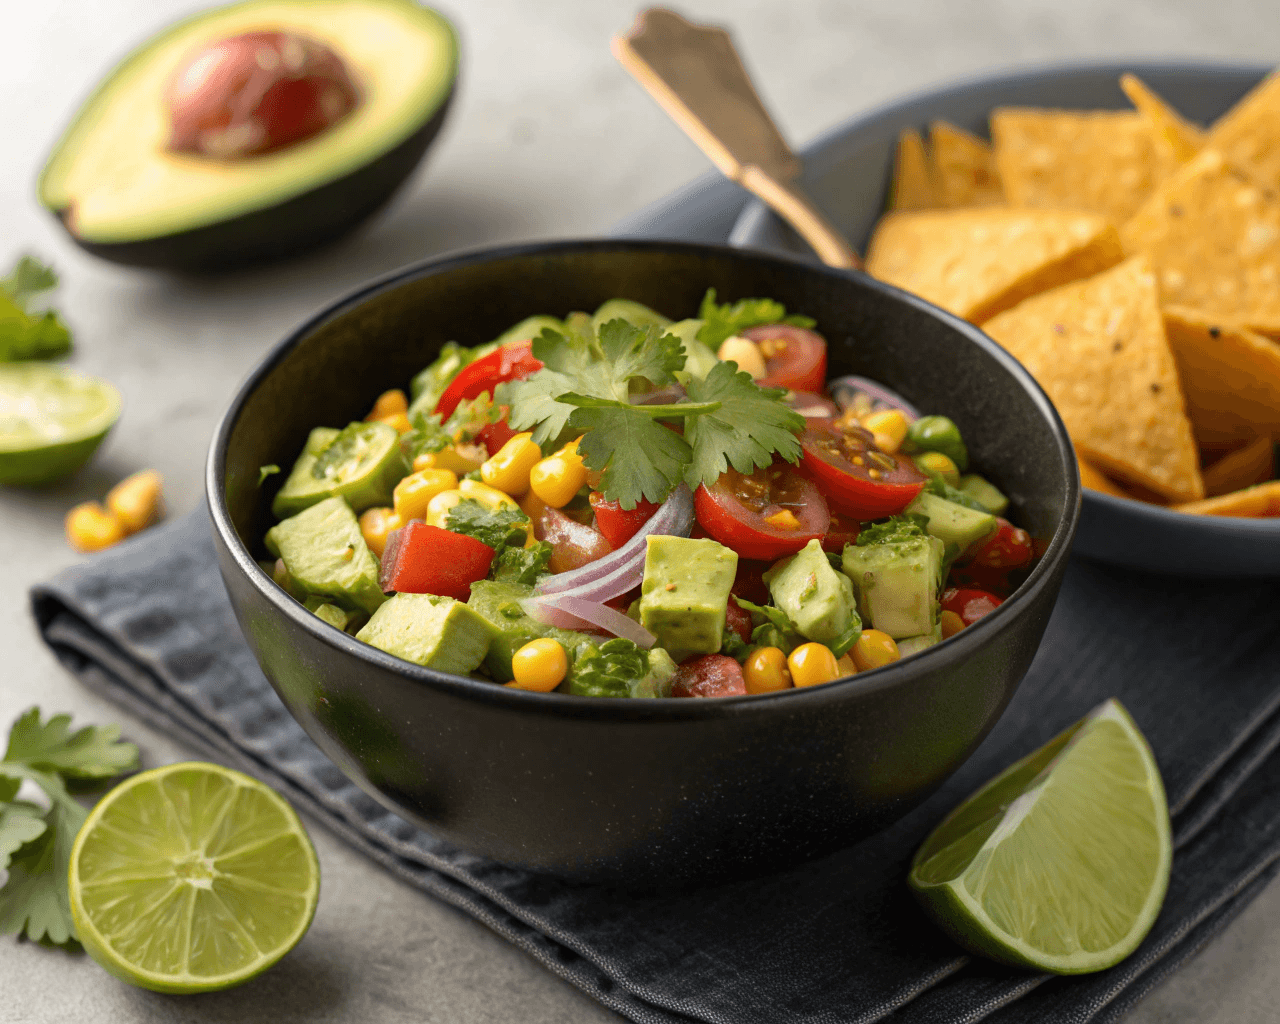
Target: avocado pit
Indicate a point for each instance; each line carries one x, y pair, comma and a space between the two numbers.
255, 93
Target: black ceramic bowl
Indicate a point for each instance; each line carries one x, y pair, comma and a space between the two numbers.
847, 173
639, 793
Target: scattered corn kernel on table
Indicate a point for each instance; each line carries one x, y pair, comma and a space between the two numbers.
547, 137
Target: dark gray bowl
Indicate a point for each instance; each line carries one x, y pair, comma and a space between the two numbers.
633, 792
847, 173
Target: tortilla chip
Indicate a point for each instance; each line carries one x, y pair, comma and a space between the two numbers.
912, 187
1176, 138
964, 168
1098, 348
976, 263
1251, 503
1248, 134
1213, 234
1230, 376
1094, 479
1100, 161
1244, 467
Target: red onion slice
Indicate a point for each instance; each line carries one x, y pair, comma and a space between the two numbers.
577, 612
853, 390
673, 518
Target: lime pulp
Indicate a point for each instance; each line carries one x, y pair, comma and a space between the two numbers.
51, 421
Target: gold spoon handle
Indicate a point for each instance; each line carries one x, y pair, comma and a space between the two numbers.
696, 76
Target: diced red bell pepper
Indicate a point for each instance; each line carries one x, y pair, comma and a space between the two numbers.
969, 603
617, 524
712, 675
422, 559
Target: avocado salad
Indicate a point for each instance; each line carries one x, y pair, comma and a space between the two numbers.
619, 505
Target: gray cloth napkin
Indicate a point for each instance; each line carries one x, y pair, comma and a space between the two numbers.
148, 625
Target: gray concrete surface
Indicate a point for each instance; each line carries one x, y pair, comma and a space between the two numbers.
548, 138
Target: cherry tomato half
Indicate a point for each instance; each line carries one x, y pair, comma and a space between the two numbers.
712, 675
858, 478
510, 362
773, 512
618, 524
970, 604
793, 357
1007, 548
844, 529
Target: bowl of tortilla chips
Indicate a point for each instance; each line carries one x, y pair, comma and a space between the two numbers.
1116, 227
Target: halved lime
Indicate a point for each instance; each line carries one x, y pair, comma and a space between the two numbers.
51, 421
190, 878
1061, 862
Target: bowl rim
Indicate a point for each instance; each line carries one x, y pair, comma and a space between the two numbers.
1235, 528
962, 645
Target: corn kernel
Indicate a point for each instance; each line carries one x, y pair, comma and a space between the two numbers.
489, 497
812, 664
889, 427
90, 527
413, 494
784, 519
376, 525
873, 649
765, 671
387, 404
951, 624
509, 470
557, 478
936, 462
846, 666
459, 458
137, 501
746, 353
539, 665
439, 506
398, 420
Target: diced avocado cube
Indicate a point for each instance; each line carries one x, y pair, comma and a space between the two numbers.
910, 645
952, 523
635, 313
362, 463
685, 592
985, 493
325, 554
818, 600
328, 612
698, 358
897, 583
499, 603
431, 631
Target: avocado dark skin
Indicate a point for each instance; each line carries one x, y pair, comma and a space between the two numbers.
292, 228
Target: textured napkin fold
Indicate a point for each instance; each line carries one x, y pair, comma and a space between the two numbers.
149, 626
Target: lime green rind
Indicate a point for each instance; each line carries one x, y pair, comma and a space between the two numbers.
27, 464
959, 851
39, 466
100, 947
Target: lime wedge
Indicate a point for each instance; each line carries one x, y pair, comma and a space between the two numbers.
191, 878
51, 421
1061, 862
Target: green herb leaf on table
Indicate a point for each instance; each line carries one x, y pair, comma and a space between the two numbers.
751, 425
721, 321
34, 898
26, 333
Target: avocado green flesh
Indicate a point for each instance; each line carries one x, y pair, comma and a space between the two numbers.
897, 584
685, 592
818, 600
361, 463
499, 604
434, 632
325, 554
114, 181
952, 523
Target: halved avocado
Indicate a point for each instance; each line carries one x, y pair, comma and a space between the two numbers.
122, 195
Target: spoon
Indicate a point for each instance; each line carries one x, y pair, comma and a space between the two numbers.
697, 77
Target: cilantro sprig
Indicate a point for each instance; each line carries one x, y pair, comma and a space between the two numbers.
35, 843
723, 320
26, 333
584, 388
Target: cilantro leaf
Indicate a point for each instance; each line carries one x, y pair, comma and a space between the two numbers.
607, 670
499, 528
20, 823
522, 565
648, 353
534, 405
638, 457
26, 334
265, 471
722, 321
94, 752
733, 646
751, 425
843, 644
35, 899
895, 528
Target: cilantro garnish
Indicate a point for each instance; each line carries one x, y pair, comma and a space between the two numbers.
27, 333
893, 529
522, 565
266, 471
585, 386
609, 670
498, 527
722, 321
35, 844
772, 627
